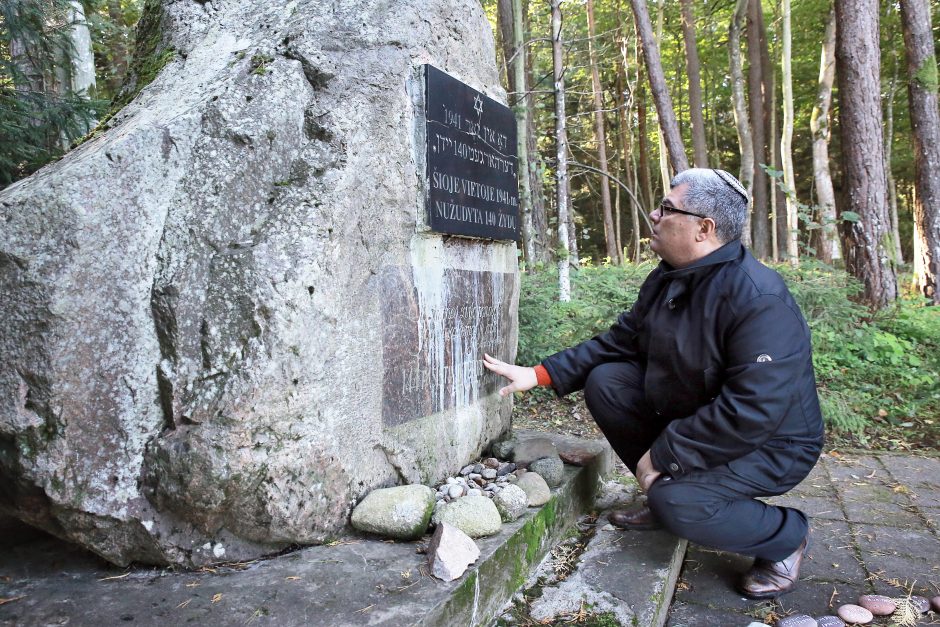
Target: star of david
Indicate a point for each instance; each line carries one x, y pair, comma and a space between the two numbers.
478, 105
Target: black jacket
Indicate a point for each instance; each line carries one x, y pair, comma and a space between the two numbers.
727, 356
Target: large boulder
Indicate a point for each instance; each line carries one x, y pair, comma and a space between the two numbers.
224, 317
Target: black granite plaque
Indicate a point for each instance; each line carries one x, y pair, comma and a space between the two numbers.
433, 338
471, 157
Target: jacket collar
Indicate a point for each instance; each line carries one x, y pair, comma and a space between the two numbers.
728, 252
680, 279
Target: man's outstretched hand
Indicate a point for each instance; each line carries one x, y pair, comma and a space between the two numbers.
520, 377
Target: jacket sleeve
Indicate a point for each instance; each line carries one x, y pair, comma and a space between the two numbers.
767, 350
569, 368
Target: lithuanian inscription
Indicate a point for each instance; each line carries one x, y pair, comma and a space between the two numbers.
471, 158
438, 323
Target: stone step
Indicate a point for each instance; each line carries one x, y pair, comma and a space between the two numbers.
354, 581
604, 575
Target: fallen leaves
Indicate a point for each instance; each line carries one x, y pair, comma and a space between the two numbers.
216, 597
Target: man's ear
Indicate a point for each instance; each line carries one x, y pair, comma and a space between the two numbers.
706, 229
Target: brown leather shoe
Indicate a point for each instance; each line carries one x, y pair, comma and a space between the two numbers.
641, 519
768, 580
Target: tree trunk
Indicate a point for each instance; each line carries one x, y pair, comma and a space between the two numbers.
925, 120
543, 239
759, 215
561, 156
510, 27
786, 141
667, 118
776, 198
117, 46
610, 236
646, 175
628, 152
741, 119
858, 61
828, 245
699, 145
889, 141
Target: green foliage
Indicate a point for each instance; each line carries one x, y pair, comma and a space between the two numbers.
38, 117
873, 370
598, 296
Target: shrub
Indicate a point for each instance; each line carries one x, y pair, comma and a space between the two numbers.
870, 368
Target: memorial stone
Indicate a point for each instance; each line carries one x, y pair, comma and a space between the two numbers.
230, 314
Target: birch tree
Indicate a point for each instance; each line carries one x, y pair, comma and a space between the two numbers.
741, 119
561, 155
829, 248
786, 150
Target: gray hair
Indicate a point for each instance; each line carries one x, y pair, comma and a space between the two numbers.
717, 195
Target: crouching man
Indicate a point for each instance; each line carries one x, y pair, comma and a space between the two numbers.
705, 388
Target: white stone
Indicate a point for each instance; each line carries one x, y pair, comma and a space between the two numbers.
511, 502
476, 516
450, 552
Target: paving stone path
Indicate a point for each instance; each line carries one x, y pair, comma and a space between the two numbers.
874, 528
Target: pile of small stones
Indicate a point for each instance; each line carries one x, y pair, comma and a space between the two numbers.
485, 478
869, 606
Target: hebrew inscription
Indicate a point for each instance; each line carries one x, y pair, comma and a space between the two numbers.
434, 338
471, 158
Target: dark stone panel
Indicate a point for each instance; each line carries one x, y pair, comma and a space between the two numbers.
471, 161
432, 348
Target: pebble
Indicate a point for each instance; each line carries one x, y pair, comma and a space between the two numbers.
455, 491
855, 614
478, 468
551, 468
877, 604
504, 469
474, 492
476, 516
536, 488
922, 604
829, 621
511, 503
451, 480
473, 476
466, 470
797, 620
491, 462
532, 449
756, 624
503, 448
450, 551
935, 602
489, 473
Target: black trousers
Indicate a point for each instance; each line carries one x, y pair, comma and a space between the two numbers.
714, 507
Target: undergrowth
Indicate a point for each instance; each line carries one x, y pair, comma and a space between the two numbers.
878, 374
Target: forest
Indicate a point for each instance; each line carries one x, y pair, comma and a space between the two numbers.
826, 112
796, 98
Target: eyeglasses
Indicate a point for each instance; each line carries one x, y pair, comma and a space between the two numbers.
664, 207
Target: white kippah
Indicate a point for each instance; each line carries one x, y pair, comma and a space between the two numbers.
732, 182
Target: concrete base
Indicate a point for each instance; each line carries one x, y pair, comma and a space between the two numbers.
353, 581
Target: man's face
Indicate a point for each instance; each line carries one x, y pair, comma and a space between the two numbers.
675, 235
